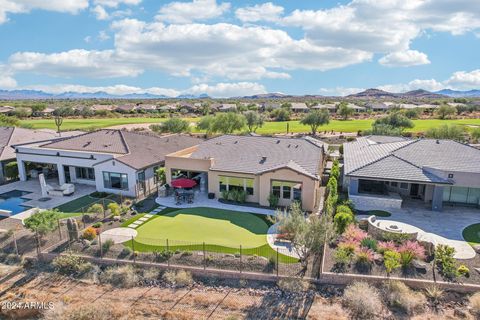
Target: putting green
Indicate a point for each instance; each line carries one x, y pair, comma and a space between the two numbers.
197, 225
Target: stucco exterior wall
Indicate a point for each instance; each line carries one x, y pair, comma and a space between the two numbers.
117, 167
187, 164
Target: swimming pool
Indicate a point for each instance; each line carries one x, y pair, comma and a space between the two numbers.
12, 201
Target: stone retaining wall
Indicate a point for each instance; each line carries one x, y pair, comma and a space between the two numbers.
371, 202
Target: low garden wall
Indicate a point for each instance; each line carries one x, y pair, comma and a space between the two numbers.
377, 231
374, 202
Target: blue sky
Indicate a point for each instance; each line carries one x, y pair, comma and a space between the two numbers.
233, 48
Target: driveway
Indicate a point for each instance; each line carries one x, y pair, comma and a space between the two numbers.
443, 227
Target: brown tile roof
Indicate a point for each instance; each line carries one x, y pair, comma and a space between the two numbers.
137, 150
255, 155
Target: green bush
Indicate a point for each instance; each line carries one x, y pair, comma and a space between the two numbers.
96, 208
107, 245
342, 256
369, 243
273, 200
11, 170
463, 270
97, 225
71, 265
391, 261
342, 220
225, 194
445, 262
114, 208
344, 208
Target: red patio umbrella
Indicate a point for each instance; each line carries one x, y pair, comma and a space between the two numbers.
184, 183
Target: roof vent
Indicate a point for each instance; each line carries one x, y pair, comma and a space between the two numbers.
296, 146
263, 160
278, 141
87, 144
438, 141
236, 141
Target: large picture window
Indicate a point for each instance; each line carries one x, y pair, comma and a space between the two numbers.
461, 195
287, 190
236, 183
85, 173
113, 180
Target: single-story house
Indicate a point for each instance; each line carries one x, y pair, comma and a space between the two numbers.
356, 108
288, 168
331, 107
377, 106
299, 107
48, 111
383, 172
106, 107
168, 108
126, 108
6, 109
114, 161
10, 136
227, 107
147, 107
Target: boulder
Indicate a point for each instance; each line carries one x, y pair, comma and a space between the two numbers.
378, 258
419, 265
476, 248
477, 269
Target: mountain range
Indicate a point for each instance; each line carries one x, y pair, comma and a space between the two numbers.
367, 94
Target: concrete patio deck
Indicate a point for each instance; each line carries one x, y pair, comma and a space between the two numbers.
33, 201
201, 200
443, 227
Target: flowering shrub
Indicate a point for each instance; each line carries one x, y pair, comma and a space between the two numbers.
409, 251
348, 246
354, 233
364, 256
383, 246
89, 234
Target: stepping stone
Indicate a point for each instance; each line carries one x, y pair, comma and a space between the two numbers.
148, 216
133, 226
137, 223
142, 219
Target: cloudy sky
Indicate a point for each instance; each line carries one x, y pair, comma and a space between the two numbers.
233, 48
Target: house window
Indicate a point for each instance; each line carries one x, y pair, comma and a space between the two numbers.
155, 178
287, 190
141, 179
114, 180
404, 185
236, 183
85, 173
394, 184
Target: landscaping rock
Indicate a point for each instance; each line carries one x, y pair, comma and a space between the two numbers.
419, 265
460, 312
477, 269
378, 258
476, 248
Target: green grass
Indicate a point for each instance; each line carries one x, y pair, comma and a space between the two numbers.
268, 128
222, 231
76, 207
471, 234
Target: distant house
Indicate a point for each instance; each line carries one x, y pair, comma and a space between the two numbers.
263, 167
227, 107
299, 107
114, 161
270, 106
190, 107
328, 106
126, 108
10, 136
48, 111
356, 108
103, 107
168, 108
377, 106
6, 109
383, 172
147, 107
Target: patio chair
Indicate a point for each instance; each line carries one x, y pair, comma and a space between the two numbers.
67, 189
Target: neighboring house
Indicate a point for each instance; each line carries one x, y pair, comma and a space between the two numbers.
299, 107
48, 111
114, 161
356, 108
6, 109
289, 168
227, 107
168, 108
10, 136
382, 172
101, 107
331, 107
377, 106
147, 107
126, 108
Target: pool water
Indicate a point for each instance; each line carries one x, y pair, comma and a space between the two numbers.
12, 201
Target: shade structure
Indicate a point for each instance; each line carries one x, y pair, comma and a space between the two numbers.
184, 183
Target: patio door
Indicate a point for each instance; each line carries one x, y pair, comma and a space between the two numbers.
68, 178
414, 188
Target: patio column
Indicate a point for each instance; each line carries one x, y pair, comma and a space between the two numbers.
21, 171
437, 198
61, 174
353, 186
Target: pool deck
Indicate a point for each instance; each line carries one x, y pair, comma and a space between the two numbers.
33, 186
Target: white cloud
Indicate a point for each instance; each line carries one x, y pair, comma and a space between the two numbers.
25, 6
6, 78
103, 35
385, 26
427, 84
73, 63
260, 12
224, 90
197, 10
404, 59
116, 3
100, 13
340, 91
464, 80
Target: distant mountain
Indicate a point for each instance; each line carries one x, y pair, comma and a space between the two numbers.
460, 94
274, 95
23, 94
381, 94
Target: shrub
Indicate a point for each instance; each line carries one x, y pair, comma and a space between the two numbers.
362, 300
391, 261
409, 251
342, 220
463, 271
273, 200
71, 265
434, 293
354, 233
364, 257
162, 255
474, 304
397, 238
89, 234
122, 276
342, 257
369, 243
296, 285
225, 194
445, 262
96, 208
11, 170
181, 278
397, 294
126, 251
107, 245
348, 246
114, 208
344, 208
383, 246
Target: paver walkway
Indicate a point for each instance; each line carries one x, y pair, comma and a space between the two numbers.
145, 218
443, 227
118, 235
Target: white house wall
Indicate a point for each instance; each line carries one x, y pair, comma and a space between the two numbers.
118, 167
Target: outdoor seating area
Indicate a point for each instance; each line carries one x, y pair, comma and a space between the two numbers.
184, 196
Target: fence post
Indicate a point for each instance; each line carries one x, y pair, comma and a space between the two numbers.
168, 252
100, 245
59, 228
278, 265
133, 249
15, 243
204, 257
241, 265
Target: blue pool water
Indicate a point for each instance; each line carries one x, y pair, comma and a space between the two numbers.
12, 201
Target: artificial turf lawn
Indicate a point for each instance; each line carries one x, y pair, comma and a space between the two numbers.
471, 234
222, 231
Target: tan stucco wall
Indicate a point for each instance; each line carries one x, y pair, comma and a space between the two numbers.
214, 186
188, 164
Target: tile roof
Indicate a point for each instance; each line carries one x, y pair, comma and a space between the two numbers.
255, 155
404, 159
137, 150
